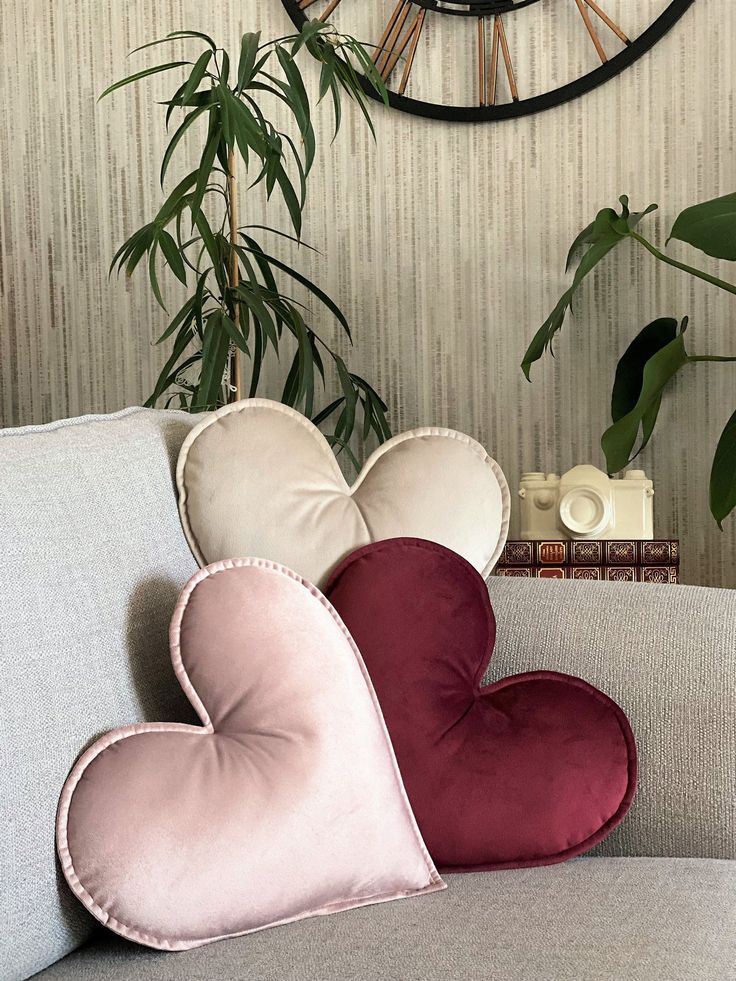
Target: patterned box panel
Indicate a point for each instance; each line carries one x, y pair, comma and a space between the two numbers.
583, 553
604, 573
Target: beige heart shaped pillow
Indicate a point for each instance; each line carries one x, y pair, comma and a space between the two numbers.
257, 478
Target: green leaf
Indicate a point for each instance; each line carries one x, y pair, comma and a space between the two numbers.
300, 99
215, 348
152, 44
630, 369
127, 248
173, 143
290, 391
204, 37
226, 99
253, 246
249, 292
247, 61
205, 167
306, 365
230, 327
310, 30
723, 474
619, 439
198, 73
248, 133
212, 247
224, 67
351, 398
276, 231
335, 440
143, 74
183, 340
142, 245
152, 273
710, 227
199, 298
259, 347
172, 255
327, 411
368, 67
175, 199
606, 232
184, 316
292, 201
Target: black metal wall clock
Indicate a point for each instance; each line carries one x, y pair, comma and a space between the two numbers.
494, 74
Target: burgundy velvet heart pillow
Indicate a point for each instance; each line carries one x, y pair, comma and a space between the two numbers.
531, 770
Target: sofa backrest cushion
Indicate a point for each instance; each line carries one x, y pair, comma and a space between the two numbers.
93, 558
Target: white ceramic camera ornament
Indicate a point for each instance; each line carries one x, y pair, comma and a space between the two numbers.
586, 503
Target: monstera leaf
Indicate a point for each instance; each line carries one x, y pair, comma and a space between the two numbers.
629, 379
656, 355
595, 242
656, 371
650, 362
723, 474
710, 227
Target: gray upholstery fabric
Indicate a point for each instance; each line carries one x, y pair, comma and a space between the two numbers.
667, 655
589, 920
93, 559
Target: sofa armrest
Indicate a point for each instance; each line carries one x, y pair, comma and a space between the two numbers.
667, 655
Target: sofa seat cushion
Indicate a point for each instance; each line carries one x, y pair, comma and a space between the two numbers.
605, 919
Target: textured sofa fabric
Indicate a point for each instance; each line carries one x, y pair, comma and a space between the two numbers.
667, 655
590, 920
93, 560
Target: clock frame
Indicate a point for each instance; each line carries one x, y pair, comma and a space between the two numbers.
398, 46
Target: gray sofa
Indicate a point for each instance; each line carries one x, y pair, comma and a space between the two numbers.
93, 560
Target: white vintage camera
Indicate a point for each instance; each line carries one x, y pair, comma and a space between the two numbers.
586, 503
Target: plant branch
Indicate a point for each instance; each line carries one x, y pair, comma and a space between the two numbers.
663, 257
234, 277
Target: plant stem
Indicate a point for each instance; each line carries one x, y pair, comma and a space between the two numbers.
708, 357
236, 379
713, 280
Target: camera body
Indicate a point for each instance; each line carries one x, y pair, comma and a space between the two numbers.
586, 503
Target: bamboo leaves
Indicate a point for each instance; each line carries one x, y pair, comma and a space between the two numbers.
237, 308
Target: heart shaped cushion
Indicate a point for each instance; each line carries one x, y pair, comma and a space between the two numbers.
285, 803
530, 770
257, 478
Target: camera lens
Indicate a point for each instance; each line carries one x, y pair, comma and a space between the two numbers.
585, 512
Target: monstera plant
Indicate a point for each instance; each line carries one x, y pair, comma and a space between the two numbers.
658, 352
238, 308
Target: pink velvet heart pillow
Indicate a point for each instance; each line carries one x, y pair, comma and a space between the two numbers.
531, 770
285, 803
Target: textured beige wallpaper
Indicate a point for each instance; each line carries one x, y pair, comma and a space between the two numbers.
444, 243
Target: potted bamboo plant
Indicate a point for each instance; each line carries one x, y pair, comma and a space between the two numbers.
238, 312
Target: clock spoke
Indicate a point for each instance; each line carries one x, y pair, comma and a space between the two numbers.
395, 39
303, 4
489, 82
481, 61
585, 6
417, 30
331, 6
493, 76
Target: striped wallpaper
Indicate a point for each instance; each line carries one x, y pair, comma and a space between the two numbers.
444, 243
